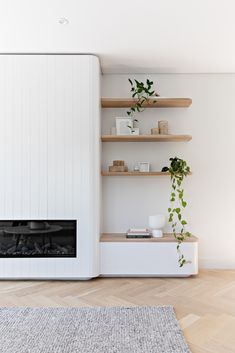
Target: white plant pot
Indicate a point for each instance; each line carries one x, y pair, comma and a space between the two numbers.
157, 223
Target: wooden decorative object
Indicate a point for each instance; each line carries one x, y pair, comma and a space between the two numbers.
120, 168
163, 127
155, 131
118, 163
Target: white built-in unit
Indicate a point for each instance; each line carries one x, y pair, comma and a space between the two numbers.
50, 172
146, 257
50, 155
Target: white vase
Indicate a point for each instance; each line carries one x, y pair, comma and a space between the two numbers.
156, 223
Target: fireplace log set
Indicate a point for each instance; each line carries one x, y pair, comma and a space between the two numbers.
29, 247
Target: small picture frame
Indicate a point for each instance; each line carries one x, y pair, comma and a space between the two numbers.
124, 126
144, 167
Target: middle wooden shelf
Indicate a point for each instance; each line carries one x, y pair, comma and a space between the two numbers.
146, 138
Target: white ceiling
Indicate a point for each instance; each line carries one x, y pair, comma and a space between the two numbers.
129, 36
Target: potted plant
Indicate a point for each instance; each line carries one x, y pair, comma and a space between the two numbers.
178, 170
141, 93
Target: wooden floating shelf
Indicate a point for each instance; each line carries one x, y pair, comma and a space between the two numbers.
135, 173
121, 238
160, 103
130, 174
146, 138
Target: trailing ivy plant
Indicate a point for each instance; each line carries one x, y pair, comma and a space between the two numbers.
178, 170
141, 92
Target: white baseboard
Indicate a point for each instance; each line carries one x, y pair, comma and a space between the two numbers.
217, 264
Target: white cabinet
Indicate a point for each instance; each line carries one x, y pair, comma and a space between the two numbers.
152, 257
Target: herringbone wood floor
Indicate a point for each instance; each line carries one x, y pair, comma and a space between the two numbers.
204, 305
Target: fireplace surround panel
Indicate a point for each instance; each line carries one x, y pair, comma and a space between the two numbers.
50, 165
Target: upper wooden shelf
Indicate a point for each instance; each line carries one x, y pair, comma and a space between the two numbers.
146, 138
121, 238
160, 103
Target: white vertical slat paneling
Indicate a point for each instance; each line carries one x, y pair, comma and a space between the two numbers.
15, 139
52, 124
9, 120
43, 139
3, 149
49, 153
26, 122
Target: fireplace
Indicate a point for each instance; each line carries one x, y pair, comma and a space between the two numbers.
34, 238
50, 166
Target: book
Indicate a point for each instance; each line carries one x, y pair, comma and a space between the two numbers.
139, 236
138, 230
138, 233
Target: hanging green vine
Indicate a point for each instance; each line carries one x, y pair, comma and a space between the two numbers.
141, 92
178, 170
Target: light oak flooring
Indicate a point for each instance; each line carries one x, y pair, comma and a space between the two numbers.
204, 305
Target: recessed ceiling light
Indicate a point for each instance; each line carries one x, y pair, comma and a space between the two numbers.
63, 21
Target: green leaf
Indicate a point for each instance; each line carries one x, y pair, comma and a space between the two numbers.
177, 210
183, 222
184, 203
169, 209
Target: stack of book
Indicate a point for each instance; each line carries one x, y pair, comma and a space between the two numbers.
138, 233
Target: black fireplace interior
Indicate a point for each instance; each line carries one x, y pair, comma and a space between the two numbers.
34, 238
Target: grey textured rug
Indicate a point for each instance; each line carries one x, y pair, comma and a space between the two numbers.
91, 330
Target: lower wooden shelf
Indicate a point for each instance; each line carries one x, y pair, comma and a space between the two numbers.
134, 173
121, 237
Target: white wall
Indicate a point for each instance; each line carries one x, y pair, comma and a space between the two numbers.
210, 191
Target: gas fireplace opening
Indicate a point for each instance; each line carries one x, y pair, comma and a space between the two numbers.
38, 238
